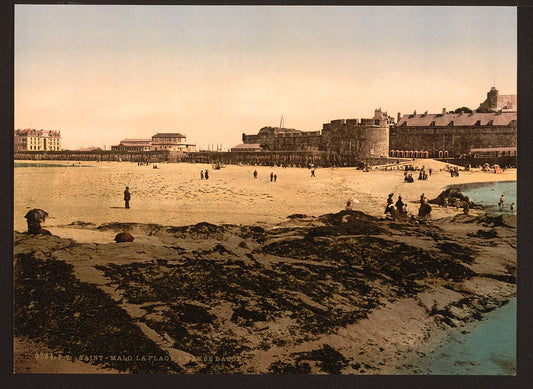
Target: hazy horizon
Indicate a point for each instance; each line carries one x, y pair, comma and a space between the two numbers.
103, 73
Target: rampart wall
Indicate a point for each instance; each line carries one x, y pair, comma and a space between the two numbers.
368, 138
456, 140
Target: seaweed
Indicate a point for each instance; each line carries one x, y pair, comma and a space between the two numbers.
54, 307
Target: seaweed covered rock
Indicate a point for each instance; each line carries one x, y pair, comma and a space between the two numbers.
454, 198
348, 222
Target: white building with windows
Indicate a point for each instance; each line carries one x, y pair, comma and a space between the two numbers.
171, 141
37, 140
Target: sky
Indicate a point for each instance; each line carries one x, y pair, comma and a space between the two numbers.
103, 73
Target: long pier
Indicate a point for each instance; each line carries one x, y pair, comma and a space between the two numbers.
265, 158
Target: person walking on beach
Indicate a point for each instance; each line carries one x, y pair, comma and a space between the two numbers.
275, 177
512, 207
271, 176
255, 174
313, 172
202, 174
502, 201
206, 174
127, 196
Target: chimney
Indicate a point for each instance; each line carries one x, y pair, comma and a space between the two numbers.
399, 116
426, 113
414, 113
444, 111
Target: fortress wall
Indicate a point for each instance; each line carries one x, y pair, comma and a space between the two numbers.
456, 140
368, 139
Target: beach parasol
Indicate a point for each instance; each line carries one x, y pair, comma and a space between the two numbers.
36, 215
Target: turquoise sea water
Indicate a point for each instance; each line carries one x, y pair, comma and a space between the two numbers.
488, 347
488, 194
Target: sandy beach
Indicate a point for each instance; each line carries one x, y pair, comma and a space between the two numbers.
220, 280
175, 195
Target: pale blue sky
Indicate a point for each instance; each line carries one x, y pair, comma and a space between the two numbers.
104, 73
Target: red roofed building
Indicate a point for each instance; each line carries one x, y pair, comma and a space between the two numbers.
455, 134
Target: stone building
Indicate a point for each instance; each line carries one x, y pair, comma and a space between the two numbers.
171, 142
37, 140
496, 102
451, 134
133, 145
285, 139
244, 147
364, 138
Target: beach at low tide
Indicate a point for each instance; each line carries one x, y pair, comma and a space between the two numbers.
434, 277
174, 194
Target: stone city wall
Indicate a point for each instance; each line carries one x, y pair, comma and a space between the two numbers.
368, 138
456, 140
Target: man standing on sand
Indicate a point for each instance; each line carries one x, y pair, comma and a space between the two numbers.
271, 176
255, 173
127, 196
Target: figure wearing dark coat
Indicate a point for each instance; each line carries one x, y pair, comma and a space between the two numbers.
127, 197
399, 205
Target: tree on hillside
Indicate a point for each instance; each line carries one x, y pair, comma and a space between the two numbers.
463, 109
485, 110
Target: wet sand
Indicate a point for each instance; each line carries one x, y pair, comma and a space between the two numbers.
217, 270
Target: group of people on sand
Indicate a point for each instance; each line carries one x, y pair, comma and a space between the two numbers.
273, 176
204, 174
422, 175
408, 177
398, 210
454, 171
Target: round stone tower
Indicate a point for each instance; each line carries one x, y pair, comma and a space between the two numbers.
364, 139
